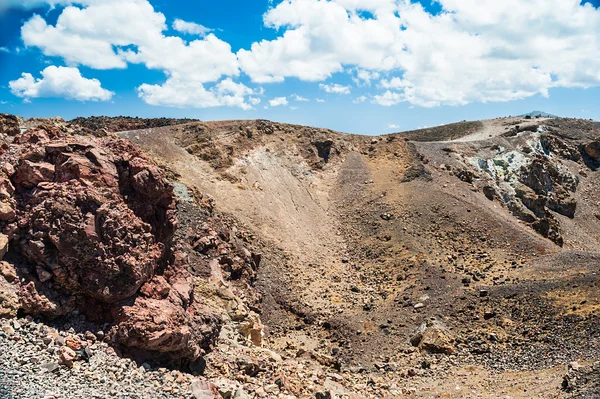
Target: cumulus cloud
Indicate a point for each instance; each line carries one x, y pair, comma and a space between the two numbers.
393, 126
359, 100
299, 98
320, 100
190, 28
62, 82
472, 51
278, 101
364, 78
389, 98
190, 94
335, 88
98, 37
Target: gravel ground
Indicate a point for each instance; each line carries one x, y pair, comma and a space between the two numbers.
29, 368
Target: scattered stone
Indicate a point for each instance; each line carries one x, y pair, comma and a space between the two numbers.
432, 336
8, 329
67, 356
489, 314
49, 367
3, 245
202, 389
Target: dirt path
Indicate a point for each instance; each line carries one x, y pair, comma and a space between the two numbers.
496, 127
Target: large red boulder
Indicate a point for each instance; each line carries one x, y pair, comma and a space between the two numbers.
91, 223
86, 216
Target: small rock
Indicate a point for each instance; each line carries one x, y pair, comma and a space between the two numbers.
73, 343
8, 271
240, 394
3, 245
574, 366
490, 314
432, 336
90, 336
49, 367
8, 329
67, 356
204, 390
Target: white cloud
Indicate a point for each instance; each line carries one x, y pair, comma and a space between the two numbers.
99, 37
389, 98
190, 94
278, 101
293, 108
335, 88
60, 82
320, 100
394, 83
297, 97
473, 51
359, 100
393, 126
254, 100
364, 78
4, 50
190, 28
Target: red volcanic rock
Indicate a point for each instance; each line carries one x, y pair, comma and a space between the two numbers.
157, 288
89, 239
163, 327
94, 219
85, 214
92, 223
41, 134
35, 299
29, 174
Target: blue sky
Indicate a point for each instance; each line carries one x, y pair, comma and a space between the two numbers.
360, 66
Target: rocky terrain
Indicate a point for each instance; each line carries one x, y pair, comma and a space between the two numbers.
106, 124
246, 259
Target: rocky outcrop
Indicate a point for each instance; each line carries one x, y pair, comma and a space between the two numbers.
89, 225
532, 182
94, 223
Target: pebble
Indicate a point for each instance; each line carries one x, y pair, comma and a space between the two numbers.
8, 329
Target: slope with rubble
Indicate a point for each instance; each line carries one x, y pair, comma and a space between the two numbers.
460, 261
